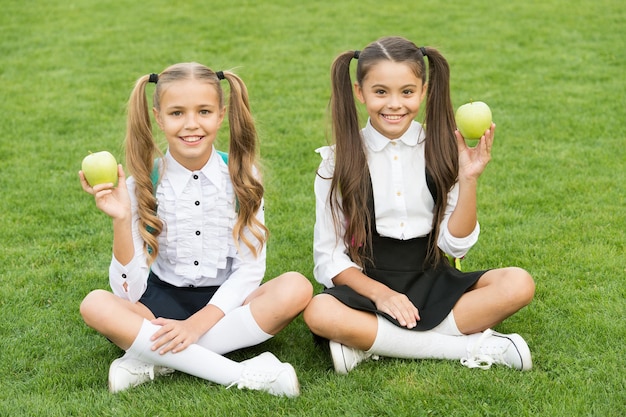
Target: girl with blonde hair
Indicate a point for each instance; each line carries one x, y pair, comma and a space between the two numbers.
189, 243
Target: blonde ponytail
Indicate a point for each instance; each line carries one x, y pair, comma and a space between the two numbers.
141, 151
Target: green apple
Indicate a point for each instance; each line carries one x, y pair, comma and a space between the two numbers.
100, 168
472, 119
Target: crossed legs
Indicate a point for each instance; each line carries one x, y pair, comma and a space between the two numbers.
498, 294
266, 311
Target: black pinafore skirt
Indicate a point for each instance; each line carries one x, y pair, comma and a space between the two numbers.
400, 265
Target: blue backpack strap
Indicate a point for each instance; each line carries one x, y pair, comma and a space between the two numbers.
154, 175
224, 156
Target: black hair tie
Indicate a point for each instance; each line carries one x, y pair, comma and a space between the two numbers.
154, 78
423, 51
356, 54
220, 75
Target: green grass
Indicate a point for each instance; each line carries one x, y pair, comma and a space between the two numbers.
552, 200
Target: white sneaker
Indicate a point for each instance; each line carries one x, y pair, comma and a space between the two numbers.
504, 349
346, 358
266, 373
127, 372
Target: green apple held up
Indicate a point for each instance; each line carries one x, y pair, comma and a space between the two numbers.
100, 168
472, 119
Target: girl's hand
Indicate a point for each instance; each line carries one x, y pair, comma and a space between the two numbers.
398, 306
472, 161
174, 335
113, 201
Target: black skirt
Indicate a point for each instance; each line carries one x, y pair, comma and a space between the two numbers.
172, 302
399, 264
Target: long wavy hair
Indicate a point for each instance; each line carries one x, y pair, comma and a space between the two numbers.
350, 187
142, 149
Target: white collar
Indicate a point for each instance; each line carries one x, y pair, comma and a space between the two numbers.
179, 176
377, 142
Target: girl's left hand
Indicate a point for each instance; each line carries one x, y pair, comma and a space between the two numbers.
174, 335
472, 161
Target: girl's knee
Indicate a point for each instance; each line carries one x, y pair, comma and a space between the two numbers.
303, 285
297, 288
316, 314
93, 306
521, 285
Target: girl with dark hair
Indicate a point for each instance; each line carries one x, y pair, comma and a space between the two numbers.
392, 199
189, 243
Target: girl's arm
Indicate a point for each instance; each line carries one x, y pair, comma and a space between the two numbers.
128, 280
128, 271
127, 274
463, 219
472, 163
329, 250
123, 247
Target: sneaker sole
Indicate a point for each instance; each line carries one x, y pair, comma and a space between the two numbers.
339, 361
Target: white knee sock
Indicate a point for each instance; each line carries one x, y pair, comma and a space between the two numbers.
396, 342
195, 360
236, 330
448, 326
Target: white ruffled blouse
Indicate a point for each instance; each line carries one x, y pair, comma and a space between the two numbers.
196, 247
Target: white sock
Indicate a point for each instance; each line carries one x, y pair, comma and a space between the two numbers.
397, 342
236, 330
195, 360
448, 326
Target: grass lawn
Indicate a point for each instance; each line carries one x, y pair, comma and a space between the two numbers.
552, 200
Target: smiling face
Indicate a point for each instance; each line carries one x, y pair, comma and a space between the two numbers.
392, 95
190, 116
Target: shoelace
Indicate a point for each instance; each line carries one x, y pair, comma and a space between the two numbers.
146, 369
163, 370
479, 360
142, 372
357, 357
360, 355
153, 371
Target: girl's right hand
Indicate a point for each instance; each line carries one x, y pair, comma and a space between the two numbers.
398, 306
113, 201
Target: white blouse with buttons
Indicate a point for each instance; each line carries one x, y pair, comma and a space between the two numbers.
196, 247
402, 201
